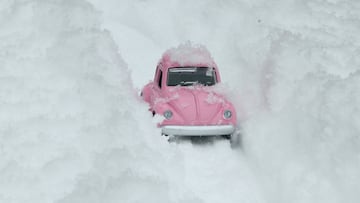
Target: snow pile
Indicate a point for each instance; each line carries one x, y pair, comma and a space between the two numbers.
293, 66
308, 149
69, 129
188, 54
68, 115
306, 146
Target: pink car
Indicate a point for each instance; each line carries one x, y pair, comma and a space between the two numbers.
183, 92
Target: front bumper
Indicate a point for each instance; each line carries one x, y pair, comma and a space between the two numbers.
209, 130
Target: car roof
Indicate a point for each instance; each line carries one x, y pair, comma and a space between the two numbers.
187, 55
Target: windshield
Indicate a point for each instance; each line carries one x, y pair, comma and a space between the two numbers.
187, 76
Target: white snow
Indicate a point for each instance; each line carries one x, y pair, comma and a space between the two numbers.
188, 53
72, 128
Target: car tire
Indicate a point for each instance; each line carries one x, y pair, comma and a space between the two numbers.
235, 140
227, 137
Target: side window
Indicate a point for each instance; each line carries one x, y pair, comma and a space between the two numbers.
215, 76
160, 79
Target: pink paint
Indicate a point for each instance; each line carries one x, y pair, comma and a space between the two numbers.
184, 85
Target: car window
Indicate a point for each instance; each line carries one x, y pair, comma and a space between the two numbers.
187, 76
160, 79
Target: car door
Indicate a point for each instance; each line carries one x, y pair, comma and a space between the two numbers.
157, 85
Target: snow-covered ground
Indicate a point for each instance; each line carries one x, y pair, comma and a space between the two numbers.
72, 128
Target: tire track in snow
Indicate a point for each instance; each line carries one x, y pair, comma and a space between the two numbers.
216, 173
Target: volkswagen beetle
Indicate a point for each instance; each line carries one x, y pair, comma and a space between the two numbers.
182, 91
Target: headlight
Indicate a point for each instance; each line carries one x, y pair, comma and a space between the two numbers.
168, 114
227, 114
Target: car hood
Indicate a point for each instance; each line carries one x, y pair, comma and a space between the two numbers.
197, 106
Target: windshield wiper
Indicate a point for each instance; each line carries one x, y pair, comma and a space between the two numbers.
187, 83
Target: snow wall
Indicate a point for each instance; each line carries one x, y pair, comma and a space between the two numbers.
69, 129
69, 111
292, 68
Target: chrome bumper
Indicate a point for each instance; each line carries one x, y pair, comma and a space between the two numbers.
212, 130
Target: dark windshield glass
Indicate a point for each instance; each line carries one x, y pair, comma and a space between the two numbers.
187, 76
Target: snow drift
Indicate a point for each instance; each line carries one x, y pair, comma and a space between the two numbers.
69, 129
69, 114
293, 68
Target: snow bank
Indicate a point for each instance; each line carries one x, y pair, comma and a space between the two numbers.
67, 122
69, 129
305, 145
293, 66
308, 149
188, 54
